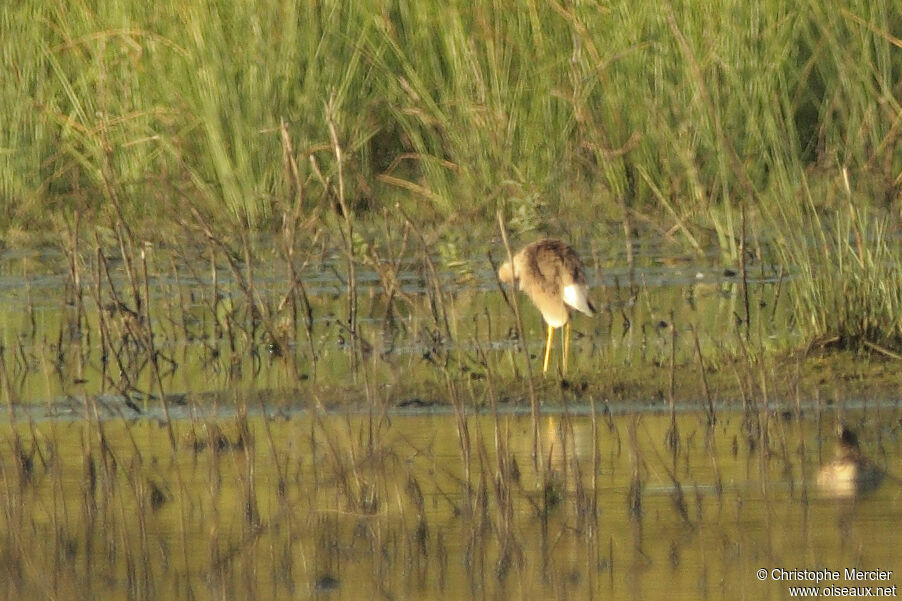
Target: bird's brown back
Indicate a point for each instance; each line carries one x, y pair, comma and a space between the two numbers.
550, 265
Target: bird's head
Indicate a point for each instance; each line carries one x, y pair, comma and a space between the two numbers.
847, 442
507, 273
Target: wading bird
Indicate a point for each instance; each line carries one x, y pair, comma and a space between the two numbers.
850, 472
553, 277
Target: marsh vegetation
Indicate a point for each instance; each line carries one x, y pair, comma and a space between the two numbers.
253, 343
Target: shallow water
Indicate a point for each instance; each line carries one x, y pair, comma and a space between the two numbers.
396, 507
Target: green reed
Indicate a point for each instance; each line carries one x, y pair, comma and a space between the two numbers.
536, 106
847, 288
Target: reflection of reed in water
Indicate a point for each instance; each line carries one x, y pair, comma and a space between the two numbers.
850, 472
554, 278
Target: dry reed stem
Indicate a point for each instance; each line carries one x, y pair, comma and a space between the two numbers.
521, 335
32, 322
672, 438
634, 495
709, 401
151, 346
743, 275
348, 232
438, 305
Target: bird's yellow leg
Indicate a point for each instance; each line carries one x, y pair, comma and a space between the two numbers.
566, 336
547, 349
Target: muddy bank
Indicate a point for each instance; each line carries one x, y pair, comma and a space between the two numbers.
807, 383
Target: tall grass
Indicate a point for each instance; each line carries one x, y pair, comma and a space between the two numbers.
464, 107
847, 288
171, 101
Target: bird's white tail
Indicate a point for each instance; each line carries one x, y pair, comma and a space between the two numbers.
577, 296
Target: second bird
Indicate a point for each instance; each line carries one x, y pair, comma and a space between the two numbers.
553, 277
